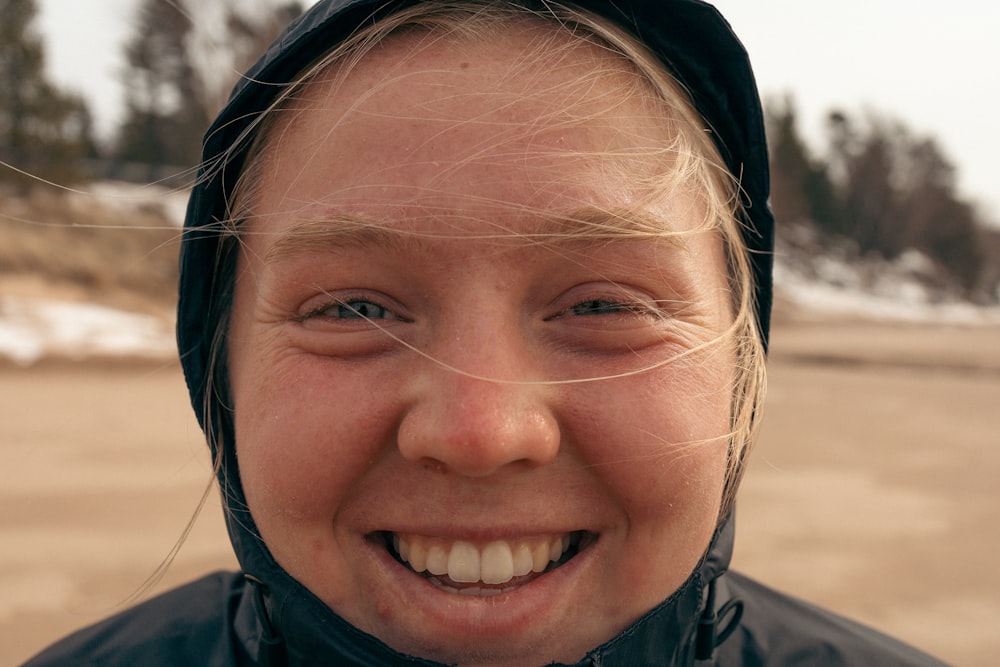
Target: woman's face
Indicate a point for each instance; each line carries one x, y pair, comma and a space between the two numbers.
452, 426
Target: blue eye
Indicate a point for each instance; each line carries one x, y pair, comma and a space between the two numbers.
351, 309
358, 309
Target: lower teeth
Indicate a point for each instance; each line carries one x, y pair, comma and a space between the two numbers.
473, 591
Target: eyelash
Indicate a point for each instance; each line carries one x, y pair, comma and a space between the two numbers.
613, 307
352, 308
358, 308
609, 307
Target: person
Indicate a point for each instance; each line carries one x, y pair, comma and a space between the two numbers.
473, 311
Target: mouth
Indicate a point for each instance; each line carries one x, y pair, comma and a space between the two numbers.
484, 569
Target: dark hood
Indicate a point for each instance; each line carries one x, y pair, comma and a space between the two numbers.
698, 46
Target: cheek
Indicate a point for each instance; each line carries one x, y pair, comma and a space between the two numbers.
302, 442
661, 453
662, 444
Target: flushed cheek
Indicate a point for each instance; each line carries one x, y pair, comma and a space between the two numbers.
300, 455
670, 493
303, 443
660, 433
662, 456
672, 509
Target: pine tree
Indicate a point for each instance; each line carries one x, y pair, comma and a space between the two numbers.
801, 189
43, 130
173, 84
884, 189
165, 110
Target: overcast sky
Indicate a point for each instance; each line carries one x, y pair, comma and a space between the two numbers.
933, 66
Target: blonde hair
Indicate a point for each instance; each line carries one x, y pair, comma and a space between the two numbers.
696, 165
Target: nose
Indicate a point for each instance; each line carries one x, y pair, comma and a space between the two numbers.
476, 426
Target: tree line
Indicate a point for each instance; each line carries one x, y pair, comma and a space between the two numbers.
882, 190
172, 62
876, 185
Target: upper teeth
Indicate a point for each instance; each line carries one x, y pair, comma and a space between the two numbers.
496, 562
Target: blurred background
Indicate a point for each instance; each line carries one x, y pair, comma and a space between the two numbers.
873, 489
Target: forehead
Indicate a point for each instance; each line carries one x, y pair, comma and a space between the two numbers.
517, 70
433, 126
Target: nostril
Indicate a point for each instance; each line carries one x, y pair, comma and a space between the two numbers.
452, 436
432, 465
474, 426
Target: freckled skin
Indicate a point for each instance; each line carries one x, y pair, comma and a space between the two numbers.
344, 430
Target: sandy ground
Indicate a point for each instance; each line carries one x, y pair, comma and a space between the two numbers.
873, 492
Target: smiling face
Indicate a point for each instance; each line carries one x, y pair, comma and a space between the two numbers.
471, 432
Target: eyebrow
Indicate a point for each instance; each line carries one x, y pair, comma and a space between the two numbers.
329, 233
580, 229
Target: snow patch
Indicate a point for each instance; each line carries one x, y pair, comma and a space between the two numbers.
836, 286
31, 329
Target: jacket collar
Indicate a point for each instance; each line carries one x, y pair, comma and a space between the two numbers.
282, 624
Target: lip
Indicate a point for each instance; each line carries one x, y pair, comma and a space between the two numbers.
503, 615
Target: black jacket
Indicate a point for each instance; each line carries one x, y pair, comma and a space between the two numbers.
262, 616
218, 621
